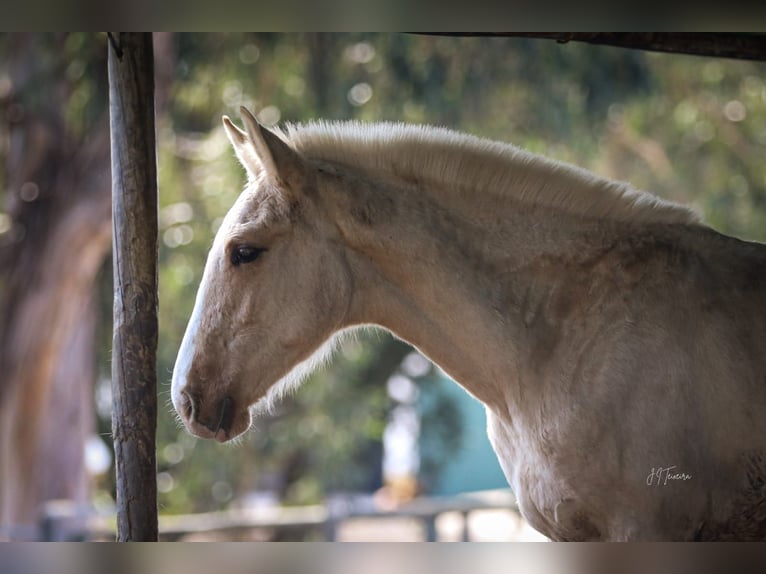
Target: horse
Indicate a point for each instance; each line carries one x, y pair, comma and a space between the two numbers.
617, 342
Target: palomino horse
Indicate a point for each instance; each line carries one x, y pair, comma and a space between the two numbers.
618, 344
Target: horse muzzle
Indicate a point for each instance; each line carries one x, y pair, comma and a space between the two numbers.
222, 421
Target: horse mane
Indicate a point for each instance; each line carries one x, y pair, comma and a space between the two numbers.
448, 159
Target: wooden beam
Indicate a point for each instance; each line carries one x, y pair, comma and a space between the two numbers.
134, 224
740, 45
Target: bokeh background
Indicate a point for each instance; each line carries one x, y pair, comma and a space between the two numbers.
379, 424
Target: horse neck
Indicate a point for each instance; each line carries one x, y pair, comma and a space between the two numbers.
439, 270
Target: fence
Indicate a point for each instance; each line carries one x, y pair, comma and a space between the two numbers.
330, 521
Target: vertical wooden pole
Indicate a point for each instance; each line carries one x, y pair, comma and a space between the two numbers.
134, 224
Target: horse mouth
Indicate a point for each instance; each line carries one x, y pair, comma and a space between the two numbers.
222, 436
239, 426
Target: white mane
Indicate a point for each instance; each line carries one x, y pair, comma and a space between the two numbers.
450, 159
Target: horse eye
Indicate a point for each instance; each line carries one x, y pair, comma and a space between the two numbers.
245, 254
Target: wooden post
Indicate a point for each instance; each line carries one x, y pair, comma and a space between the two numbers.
134, 225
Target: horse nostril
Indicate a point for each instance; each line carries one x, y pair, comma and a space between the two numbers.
187, 406
224, 417
227, 414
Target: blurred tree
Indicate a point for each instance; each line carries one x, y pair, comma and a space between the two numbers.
56, 187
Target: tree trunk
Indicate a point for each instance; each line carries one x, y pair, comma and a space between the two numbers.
58, 200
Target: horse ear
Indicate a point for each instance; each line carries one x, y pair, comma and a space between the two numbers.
242, 149
276, 157
258, 149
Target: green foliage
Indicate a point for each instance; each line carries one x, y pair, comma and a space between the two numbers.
687, 128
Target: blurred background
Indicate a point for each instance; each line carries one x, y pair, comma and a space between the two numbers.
380, 430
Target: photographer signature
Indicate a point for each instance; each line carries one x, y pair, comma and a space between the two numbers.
659, 476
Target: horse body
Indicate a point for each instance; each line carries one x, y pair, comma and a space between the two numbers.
616, 342
660, 367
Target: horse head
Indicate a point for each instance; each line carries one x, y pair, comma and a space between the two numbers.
275, 289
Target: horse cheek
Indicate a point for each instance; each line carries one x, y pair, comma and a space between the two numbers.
331, 299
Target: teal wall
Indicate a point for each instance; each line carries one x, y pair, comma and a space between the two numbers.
474, 465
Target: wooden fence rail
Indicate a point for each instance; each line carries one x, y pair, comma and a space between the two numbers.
317, 522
